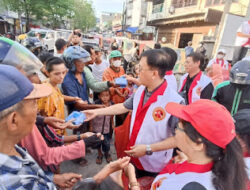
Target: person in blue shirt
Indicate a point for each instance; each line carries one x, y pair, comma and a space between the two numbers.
75, 81
189, 49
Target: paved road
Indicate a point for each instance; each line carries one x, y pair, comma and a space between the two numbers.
91, 168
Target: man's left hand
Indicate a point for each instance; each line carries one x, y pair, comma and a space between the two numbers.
66, 180
54, 122
136, 151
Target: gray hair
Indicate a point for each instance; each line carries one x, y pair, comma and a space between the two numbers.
11, 109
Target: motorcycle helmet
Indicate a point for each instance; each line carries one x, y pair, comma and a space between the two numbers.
33, 44
73, 53
240, 73
13, 53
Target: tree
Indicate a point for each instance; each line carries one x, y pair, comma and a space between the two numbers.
84, 15
54, 11
46, 11
25, 7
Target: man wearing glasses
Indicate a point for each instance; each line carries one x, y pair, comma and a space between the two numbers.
149, 122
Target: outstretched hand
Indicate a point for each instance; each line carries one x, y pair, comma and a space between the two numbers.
66, 180
119, 164
54, 122
90, 114
136, 151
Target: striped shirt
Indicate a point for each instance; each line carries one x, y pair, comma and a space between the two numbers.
23, 173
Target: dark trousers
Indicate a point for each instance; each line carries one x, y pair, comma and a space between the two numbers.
143, 173
105, 143
239, 53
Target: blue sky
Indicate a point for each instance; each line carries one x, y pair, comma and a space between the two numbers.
107, 6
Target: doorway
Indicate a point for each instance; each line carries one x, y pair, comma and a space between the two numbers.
184, 39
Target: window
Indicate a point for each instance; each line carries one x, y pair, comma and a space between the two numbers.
183, 3
217, 2
157, 6
155, 2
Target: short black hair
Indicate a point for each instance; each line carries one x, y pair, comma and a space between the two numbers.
198, 57
114, 46
60, 43
157, 58
157, 46
88, 48
53, 61
172, 53
44, 56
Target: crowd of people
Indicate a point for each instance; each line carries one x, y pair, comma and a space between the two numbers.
191, 134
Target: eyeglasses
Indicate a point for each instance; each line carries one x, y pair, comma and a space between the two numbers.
177, 127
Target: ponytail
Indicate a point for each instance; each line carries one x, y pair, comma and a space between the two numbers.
229, 170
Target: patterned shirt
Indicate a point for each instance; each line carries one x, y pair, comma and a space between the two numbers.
53, 105
49, 134
23, 173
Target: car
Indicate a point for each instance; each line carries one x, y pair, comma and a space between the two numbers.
48, 37
62, 33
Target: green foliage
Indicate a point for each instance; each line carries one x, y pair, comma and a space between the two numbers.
84, 15
53, 12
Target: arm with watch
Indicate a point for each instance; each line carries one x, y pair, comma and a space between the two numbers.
78, 137
130, 173
142, 149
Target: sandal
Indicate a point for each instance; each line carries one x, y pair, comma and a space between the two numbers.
99, 159
108, 157
83, 162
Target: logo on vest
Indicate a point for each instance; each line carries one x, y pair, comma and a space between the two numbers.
158, 183
159, 114
198, 91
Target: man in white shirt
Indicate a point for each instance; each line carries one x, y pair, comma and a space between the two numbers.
242, 41
99, 66
219, 59
60, 45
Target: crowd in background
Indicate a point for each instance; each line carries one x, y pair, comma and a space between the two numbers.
190, 133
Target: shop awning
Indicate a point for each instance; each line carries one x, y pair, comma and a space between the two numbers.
132, 29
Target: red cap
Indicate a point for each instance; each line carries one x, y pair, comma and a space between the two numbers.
209, 118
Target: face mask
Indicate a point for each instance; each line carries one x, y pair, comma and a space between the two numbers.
220, 56
117, 63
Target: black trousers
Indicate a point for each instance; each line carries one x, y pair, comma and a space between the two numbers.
239, 53
143, 173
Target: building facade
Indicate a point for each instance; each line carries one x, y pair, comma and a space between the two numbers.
181, 21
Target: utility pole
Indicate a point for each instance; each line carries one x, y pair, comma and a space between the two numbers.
221, 25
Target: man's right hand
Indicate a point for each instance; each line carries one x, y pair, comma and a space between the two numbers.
54, 122
90, 114
66, 180
86, 135
112, 84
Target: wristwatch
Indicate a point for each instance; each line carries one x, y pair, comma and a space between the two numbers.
148, 150
78, 136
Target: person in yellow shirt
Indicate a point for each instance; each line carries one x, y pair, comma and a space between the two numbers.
53, 105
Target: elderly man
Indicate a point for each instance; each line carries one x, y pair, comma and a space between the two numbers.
17, 117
